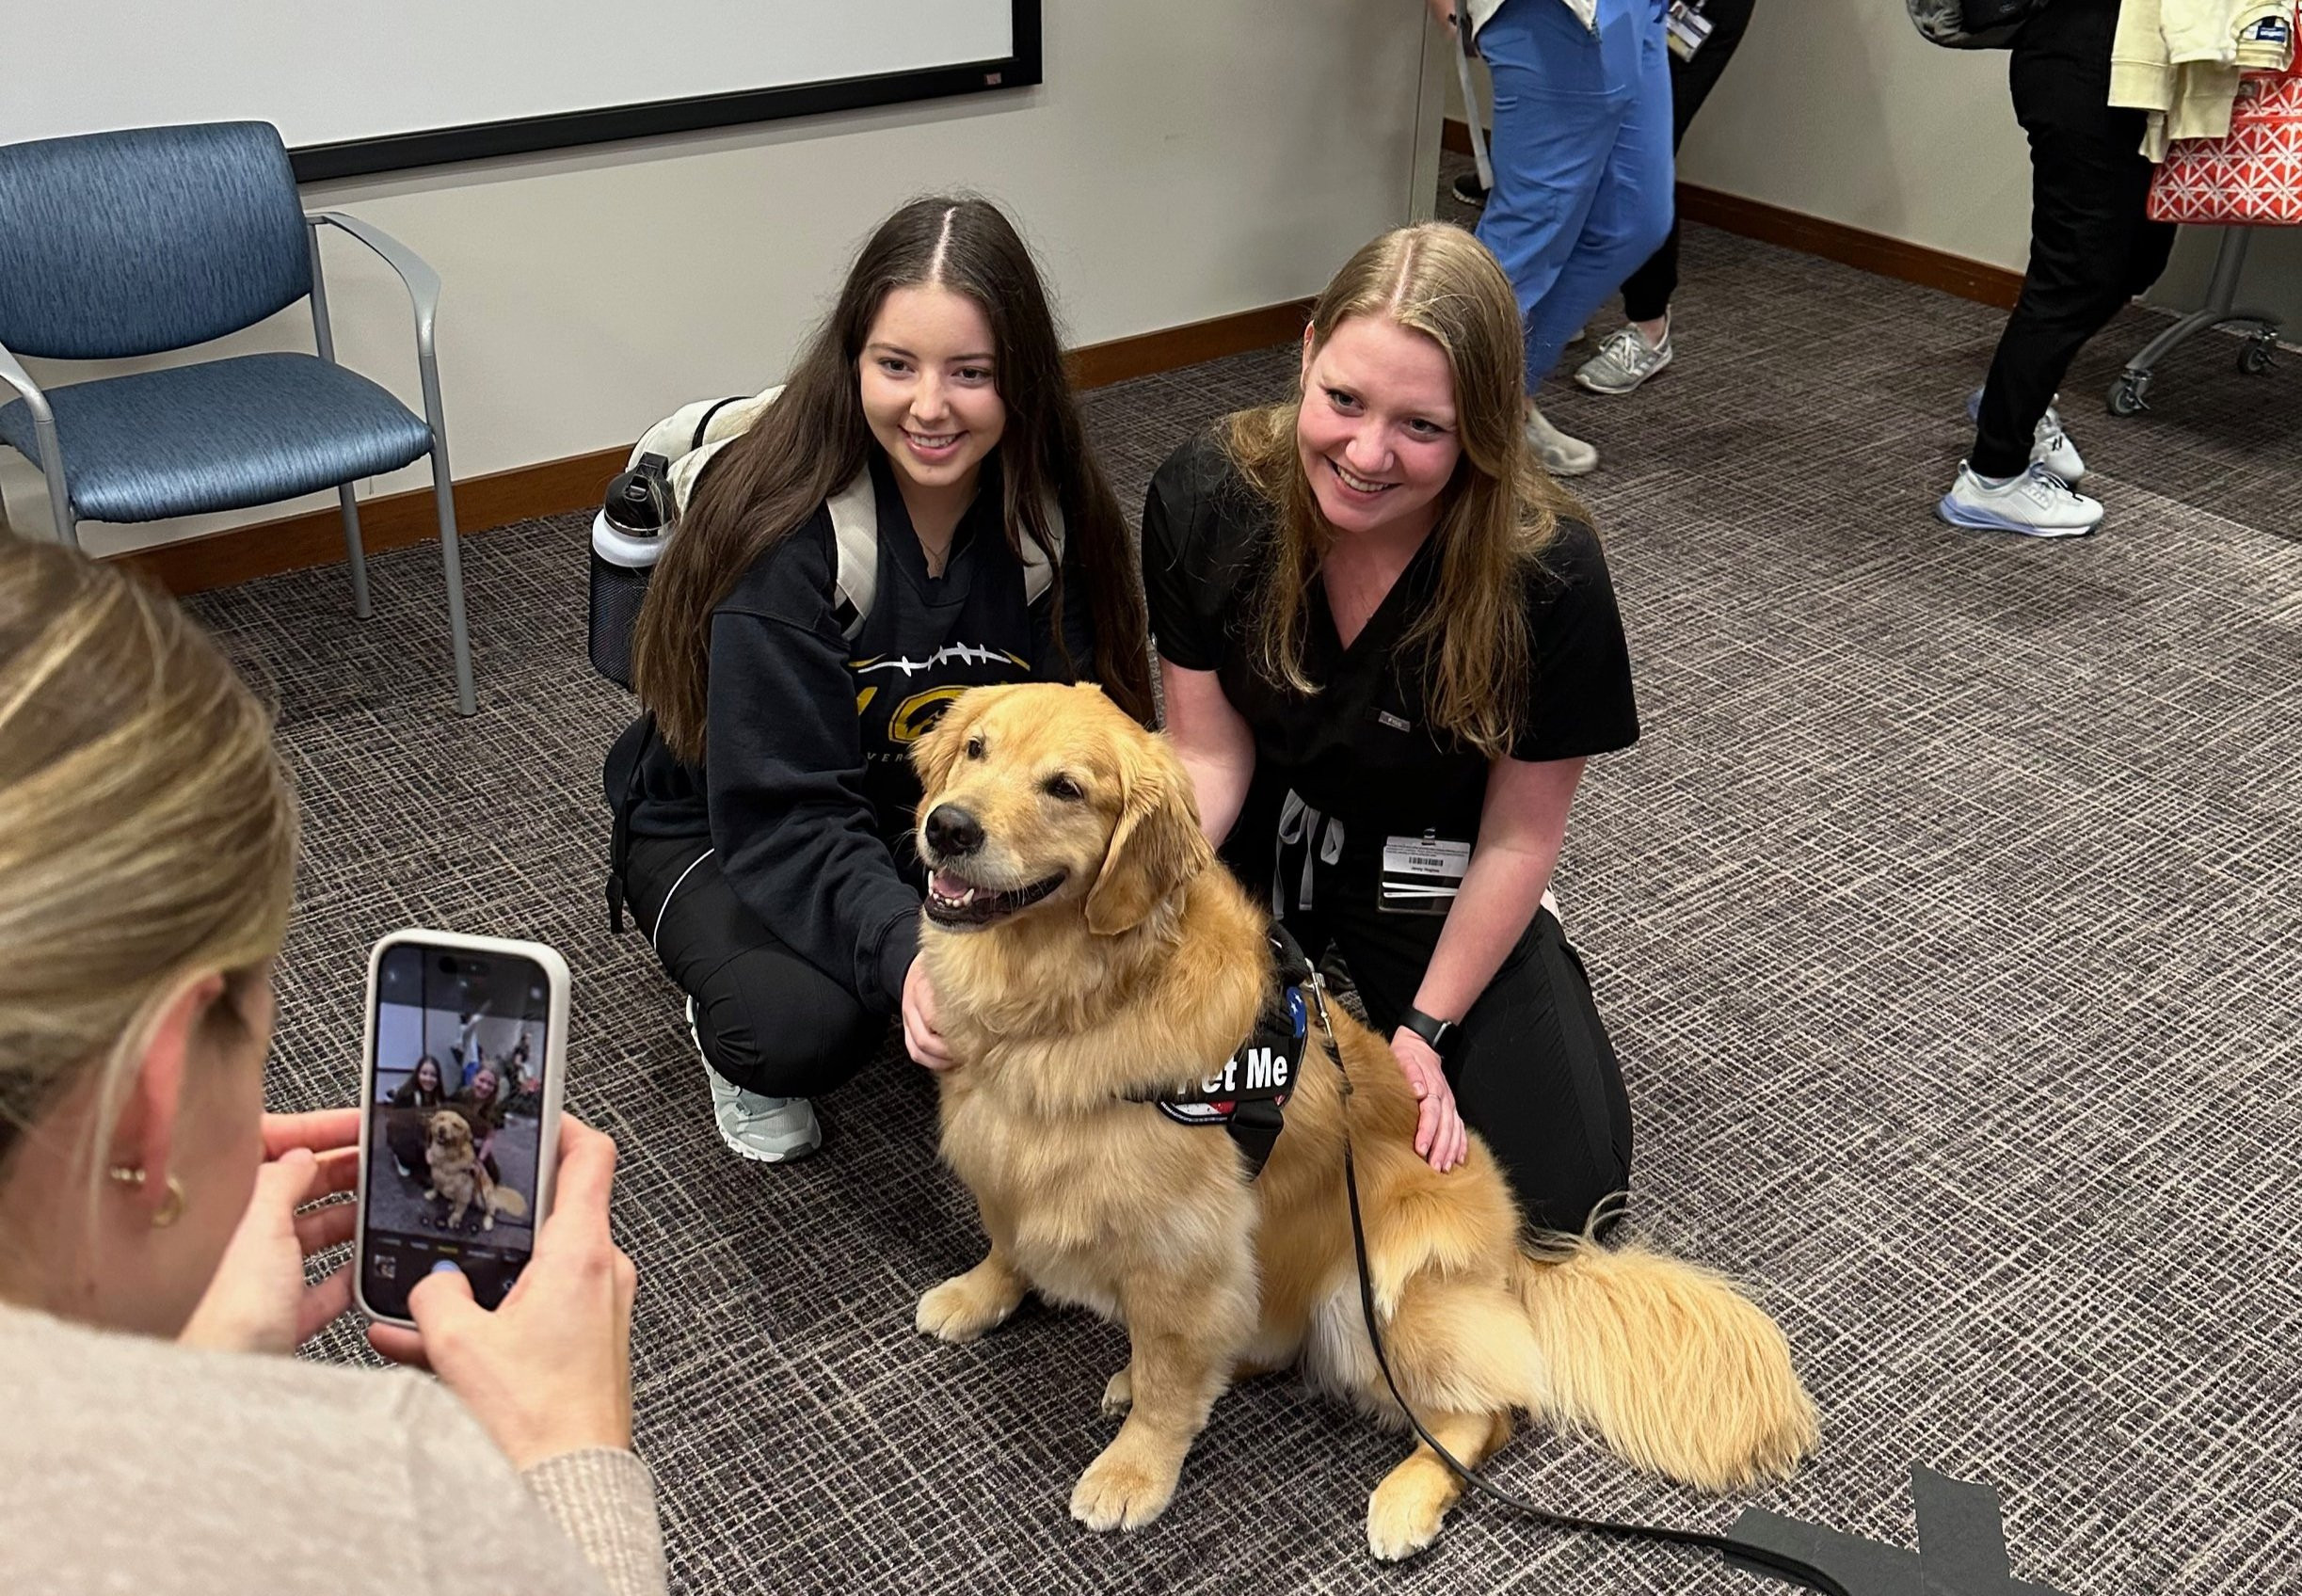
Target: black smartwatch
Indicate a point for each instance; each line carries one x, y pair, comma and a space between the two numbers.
1439, 1033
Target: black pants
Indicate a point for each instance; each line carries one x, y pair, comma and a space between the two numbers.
1646, 294
2092, 248
1532, 1070
766, 1019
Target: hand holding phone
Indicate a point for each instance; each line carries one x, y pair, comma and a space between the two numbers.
550, 1371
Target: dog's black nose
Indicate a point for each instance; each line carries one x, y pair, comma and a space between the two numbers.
952, 833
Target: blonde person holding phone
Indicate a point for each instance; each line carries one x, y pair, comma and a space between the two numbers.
153, 1220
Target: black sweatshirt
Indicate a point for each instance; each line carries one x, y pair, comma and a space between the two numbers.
806, 791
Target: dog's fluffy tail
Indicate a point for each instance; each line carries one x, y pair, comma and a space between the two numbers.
1665, 1362
510, 1201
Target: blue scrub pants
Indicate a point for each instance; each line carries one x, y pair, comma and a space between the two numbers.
1582, 159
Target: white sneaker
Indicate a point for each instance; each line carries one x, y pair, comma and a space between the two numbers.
2050, 446
1623, 362
2037, 504
767, 1130
1561, 455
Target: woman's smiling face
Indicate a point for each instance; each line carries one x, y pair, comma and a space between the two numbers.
929, 388
1377, 427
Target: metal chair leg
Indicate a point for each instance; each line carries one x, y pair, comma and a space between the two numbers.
60, 494
354, 551
355, 555
450, 562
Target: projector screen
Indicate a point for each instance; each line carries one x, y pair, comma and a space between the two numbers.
379, 84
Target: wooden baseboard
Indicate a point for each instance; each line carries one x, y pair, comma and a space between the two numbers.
1455, 137
1833, 241
555, 487
1852, 246
1098, 365
395, 520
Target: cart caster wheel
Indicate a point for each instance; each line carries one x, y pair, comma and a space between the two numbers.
2257, 354
2126, 394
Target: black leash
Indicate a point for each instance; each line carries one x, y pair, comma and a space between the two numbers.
1793, 1569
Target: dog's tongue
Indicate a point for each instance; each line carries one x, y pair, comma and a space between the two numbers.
949, 887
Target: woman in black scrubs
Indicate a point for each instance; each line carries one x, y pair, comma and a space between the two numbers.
1388, 648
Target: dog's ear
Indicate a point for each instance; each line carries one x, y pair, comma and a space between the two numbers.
934, 754
1154, 849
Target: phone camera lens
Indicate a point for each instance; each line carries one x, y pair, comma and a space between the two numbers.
447, 964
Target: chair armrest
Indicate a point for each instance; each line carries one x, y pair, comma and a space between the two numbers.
21, 380
423, 283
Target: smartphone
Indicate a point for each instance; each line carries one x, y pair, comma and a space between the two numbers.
467, 1053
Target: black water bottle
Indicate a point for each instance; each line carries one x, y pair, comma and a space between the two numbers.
627, 538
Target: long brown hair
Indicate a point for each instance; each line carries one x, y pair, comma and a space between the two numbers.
813, 440
1496, 514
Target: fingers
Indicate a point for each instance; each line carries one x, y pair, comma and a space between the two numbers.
1426, 1127
339, 1172
323, 1228
441, 1301
399, 1345
925, 1047
321, 1132
587, 1174
579, 1199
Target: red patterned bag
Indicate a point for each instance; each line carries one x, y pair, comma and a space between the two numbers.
2254, 175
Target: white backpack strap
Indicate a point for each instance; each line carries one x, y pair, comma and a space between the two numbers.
1038, 570
855, 530
691, 435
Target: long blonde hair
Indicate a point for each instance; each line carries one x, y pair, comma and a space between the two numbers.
1496, 515
147, 828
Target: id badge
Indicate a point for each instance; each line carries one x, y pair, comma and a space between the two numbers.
1422, 874
1686, 28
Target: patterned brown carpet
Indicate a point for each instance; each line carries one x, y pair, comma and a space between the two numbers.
1945, 919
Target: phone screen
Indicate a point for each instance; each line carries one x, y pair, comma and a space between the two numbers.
460, 1042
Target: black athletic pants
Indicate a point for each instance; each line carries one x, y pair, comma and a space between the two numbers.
1646, 293
766, 1018
2092, 246
1531, 1067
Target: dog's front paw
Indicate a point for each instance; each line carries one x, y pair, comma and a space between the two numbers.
488, 1222
1119, 1393
964, 1307
1402, 1518
1122, 1489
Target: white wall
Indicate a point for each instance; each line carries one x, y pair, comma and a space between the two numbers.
1183, 160
1839, 109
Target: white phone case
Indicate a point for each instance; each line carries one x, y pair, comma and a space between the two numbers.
554, 1076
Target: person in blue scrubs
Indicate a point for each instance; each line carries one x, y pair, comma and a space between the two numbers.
1583, 167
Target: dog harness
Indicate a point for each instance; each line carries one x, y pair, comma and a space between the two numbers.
1248, 1095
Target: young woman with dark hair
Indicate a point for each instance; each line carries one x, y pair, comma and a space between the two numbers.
765, 800
1389, 644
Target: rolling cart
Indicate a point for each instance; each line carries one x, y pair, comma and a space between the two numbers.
2220, 310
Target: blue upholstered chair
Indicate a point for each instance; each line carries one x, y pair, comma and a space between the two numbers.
115, 244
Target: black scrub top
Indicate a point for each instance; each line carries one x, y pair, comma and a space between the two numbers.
1361, 748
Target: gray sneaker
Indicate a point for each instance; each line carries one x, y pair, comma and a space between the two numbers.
1561, 455
1623, 362
767, 1130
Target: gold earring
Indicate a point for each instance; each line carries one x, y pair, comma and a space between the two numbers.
171, 1206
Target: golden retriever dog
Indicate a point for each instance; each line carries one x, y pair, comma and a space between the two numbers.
1087, 950
460, 1178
